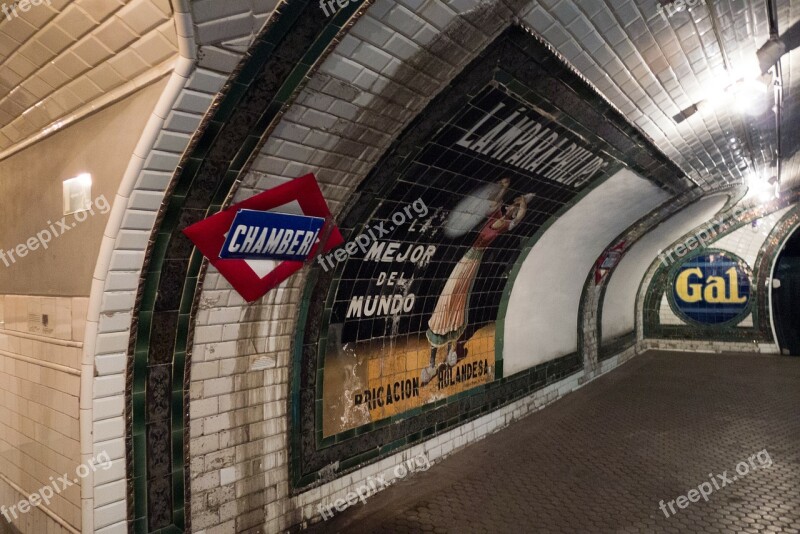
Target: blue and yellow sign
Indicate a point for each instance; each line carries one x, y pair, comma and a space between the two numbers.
712, 288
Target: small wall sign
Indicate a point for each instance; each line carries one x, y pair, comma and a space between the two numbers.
711, 288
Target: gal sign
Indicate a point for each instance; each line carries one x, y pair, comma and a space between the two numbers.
711, 288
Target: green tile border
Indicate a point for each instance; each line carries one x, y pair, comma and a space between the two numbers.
286, 19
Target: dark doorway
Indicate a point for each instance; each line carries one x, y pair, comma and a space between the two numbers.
786, 297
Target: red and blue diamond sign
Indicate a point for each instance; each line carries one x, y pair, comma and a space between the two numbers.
260, 242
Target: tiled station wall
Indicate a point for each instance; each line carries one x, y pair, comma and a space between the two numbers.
556, 268
39, 410
619, 304
229, 466
239, 420
240, 372
241, 354
240, 366
221, 33
73, 59
45, 310
746, 243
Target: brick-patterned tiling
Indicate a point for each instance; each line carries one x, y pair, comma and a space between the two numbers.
39, 410
602, 458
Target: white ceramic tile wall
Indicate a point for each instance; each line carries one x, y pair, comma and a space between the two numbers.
361, 93
665, 314
620, 297
555, 270
39, 411
745, 243
128, 234
36, 520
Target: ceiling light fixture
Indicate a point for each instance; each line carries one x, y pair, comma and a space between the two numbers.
762, 190
748, 96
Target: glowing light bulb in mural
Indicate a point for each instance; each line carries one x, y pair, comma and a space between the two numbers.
451, 315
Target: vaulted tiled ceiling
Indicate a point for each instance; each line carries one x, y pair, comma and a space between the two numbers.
790, 133
56, 59
653, 65
650, 65
60, 56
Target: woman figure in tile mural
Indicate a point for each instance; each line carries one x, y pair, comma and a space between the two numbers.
450, 316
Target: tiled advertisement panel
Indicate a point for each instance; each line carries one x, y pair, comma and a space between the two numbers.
456, 220
711, 287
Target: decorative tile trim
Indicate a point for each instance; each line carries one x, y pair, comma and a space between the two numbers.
113, 290
243, 115
746, 338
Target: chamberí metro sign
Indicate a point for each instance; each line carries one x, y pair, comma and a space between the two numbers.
267, 235
258, 243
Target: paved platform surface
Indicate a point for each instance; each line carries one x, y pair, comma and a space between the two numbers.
602, 458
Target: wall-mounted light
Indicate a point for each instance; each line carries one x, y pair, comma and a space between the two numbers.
77, 193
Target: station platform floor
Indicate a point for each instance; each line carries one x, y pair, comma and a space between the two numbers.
663, 427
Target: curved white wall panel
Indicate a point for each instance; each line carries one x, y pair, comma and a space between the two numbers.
542, 317
619, 305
